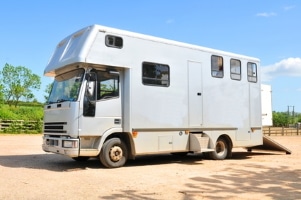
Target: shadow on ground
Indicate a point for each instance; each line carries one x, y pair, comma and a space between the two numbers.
277, 182
54, 162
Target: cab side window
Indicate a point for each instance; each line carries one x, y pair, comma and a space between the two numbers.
108, 85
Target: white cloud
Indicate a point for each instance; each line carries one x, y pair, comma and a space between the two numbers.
169, 21
286, 67
266, 14
287, 8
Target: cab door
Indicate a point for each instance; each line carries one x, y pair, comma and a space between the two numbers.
101, 103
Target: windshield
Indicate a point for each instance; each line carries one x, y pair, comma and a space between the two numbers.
66, 86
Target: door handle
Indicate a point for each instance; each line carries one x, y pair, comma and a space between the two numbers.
199, 94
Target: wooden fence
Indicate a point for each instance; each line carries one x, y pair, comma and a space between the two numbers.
281, 131
20, 126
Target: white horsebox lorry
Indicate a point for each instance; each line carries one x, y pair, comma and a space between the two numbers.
118, 94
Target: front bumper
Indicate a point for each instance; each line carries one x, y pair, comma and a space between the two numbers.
61, 145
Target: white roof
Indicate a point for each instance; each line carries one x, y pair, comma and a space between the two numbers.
75, 48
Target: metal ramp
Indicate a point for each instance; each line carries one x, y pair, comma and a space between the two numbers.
270, 145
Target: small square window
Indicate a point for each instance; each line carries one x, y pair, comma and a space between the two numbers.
252, 72
114, 41
235, 69
217, 66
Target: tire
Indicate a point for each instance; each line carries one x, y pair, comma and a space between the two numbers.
221, 150
113, 153
81, 158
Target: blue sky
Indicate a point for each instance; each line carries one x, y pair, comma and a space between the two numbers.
269, 30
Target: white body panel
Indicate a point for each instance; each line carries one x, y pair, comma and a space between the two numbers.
163, 118
266, 99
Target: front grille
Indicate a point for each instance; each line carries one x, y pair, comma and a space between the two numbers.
54, 127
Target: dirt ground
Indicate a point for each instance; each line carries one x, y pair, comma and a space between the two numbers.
26, 172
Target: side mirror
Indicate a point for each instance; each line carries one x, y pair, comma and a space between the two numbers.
90, 94
90, 76
91, 84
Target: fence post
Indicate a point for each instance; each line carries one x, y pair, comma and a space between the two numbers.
282, 130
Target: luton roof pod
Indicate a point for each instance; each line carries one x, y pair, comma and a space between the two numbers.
76, 48
71, 50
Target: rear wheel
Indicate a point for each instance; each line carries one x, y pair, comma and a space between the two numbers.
113, 153
221, 150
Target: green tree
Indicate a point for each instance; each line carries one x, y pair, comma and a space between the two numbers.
18, 82
298, 117
47, 91
280, 119
1, 95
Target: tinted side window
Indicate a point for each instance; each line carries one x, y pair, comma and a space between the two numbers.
114, 41
235, 69
252, 72
155, 74
217, 66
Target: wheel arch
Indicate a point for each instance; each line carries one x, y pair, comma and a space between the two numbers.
125, 137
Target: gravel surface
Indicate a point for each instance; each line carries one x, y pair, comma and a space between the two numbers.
26, 172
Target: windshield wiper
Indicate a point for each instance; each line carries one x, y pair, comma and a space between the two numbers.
61, 100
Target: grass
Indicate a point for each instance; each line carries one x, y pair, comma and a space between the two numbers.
30, 115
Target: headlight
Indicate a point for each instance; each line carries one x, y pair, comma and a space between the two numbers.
69, 144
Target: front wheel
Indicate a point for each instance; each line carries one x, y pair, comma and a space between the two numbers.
221, 150
113, 153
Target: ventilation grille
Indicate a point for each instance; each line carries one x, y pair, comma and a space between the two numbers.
54, 127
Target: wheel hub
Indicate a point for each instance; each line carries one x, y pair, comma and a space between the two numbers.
116, 153
220, 148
